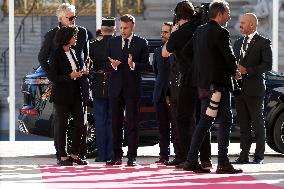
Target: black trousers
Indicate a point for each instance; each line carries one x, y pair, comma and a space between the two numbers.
62, 112
131, 106
163, 121
188, 116
250, 117
205, 123
174, 129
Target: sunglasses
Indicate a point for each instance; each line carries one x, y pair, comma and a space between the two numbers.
71, 18
164, 32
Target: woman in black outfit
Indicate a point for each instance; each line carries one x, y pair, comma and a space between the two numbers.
67, 77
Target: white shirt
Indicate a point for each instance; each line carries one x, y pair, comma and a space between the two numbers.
250, 36
129, 41
71, 60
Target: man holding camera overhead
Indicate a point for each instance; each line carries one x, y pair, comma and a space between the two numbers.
215, 64
182, 32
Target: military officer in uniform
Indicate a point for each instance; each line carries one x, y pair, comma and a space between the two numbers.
102, 109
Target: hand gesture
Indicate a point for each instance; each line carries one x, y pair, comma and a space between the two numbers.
238, 75
75, 74
113, 62
175, 27
130, 62
168, 101
242, 69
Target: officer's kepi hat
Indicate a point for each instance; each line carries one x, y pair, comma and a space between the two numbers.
108, 21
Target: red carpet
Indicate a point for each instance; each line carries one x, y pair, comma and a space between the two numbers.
142, 176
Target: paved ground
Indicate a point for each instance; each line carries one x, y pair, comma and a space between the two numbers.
21, 163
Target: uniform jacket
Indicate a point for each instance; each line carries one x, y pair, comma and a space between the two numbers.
100, 67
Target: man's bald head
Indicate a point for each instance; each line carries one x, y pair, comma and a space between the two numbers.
248, 23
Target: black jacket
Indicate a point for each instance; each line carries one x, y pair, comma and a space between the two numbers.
64, 89
161, 68
124, 79
257, 61
48, 46
214, 61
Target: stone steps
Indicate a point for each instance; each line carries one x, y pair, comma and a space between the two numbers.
25, 56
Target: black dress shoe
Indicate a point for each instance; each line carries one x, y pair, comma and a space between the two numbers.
195, 167
131, 162
65, 162
206, 165
162, 160
79, 161
114, 162
241, 161
227, 169
257, 161
180, 165
173, 162
82, 157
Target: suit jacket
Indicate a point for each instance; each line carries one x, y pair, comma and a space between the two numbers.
64, 89
100, 70
48, 46
124, 79
213, 56
174, 79
257, 61
161, 68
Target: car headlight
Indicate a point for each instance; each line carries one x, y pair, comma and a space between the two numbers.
38, 81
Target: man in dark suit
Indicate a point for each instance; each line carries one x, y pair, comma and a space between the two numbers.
215, 64
100, 83
66, 17
161, 68
129, 56
255, 58
188, 100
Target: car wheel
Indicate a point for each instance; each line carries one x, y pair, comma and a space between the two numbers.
278, 133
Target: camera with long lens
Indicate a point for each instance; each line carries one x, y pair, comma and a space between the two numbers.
201, 14
199, 17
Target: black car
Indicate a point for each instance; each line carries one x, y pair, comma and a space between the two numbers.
37, 114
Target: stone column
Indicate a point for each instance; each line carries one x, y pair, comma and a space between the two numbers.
1, 11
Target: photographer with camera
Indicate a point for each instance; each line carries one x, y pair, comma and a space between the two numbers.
215, 64
182, 32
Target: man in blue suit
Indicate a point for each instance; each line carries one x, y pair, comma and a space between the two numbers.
129, 56
161, 68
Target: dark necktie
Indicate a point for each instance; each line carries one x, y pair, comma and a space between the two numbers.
244, 49
125, 47
245, 44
